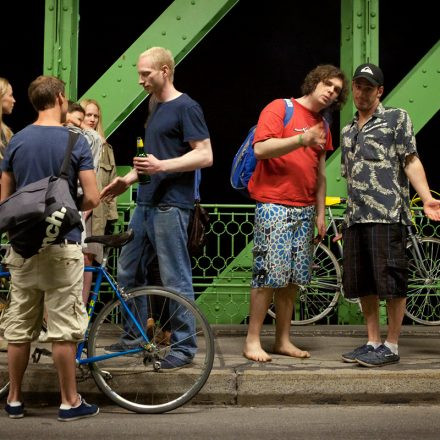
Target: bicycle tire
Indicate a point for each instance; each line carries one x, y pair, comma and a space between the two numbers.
317, 300
131, 380
423, 295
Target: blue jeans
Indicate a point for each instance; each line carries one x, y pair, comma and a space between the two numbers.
161, 231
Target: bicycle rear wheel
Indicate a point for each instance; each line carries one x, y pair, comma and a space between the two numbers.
423, 296
317, 299
135, 381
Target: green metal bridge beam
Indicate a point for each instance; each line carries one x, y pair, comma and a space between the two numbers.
61, 42
180, 28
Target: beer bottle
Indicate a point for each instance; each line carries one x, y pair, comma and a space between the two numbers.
143, 178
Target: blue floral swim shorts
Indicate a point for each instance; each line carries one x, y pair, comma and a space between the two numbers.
283, 245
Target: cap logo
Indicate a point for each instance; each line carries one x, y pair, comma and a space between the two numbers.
366, 69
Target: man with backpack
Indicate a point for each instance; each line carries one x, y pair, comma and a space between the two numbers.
289, 187
52, 278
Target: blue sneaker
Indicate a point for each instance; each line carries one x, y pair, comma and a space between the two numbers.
80, 412
378, 358
352, 355
15, 412
171, 362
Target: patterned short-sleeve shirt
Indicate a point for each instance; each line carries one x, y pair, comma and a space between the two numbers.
373, 161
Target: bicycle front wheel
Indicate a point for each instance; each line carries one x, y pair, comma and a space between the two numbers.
316, 300
423, 296
136, 381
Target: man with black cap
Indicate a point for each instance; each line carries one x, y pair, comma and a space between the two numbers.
379, 156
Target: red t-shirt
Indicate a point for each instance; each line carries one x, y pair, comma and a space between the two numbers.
290, 179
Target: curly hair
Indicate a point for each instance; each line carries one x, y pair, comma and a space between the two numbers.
322, 73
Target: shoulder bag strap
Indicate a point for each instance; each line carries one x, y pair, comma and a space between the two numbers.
64, 173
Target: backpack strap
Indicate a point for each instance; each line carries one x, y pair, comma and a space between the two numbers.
289, 111
73, 137
197, 179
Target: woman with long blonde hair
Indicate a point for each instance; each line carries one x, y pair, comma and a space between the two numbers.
7, 102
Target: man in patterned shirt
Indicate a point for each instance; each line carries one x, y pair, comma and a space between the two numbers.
379, 156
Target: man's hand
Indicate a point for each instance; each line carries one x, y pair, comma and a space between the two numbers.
148, 165
320, 224
432, 209
315, 137
114, 189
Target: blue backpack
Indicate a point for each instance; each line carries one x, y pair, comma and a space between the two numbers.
244, 162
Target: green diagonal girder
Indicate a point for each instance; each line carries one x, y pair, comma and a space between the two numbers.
179, 29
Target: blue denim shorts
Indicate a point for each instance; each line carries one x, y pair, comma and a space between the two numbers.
283, 245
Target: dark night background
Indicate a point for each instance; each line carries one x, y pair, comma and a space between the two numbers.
254, 55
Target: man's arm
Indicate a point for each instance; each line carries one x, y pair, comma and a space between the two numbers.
119, 185
87, 180
199, 157
320, 197
416, 174
7, 185
276, 147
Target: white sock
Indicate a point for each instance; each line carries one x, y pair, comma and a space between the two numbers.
393, 347
65, 406
16, 403
374, 344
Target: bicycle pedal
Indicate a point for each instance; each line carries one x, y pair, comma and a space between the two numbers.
38, 352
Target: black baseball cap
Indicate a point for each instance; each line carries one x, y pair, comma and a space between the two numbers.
370, 72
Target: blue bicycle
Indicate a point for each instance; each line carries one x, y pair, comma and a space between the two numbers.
144, 318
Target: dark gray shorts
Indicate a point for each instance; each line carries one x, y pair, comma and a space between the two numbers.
375, 261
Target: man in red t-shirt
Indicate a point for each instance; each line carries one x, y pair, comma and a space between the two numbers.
289, 187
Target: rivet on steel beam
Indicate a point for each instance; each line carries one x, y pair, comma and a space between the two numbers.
164, 33
425, 86
65, 8
359, 26
184, 37
359, 14
411, 100
373, 14
193, 2
178, 17
119, 80
51, 8
373, 26
104, 95
424, 70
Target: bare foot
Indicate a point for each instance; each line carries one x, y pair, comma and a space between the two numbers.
290, 350
254, 352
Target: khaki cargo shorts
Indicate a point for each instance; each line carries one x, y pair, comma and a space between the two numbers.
51, 280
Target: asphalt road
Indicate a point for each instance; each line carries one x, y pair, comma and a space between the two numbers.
390, 422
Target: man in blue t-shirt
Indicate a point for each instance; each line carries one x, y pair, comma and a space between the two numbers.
176, 142
52, 279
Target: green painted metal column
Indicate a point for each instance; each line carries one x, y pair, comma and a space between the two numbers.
359, 44
61, 43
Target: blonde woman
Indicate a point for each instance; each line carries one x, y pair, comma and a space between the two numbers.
106, 213
7, 102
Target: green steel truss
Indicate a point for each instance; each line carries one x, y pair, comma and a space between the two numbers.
180, 28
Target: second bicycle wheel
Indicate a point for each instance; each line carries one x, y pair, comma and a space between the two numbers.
423, 296
136, 381
317, 299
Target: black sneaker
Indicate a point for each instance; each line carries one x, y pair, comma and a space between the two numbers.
171, 362
124, 346
15, 412
378, 358
80, 412
352, 355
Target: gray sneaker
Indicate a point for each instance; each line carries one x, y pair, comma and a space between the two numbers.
378, 358
352, 355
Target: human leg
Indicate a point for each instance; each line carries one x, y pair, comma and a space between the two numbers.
259, 303
284, 303
18, 358
88, 278
370, 310
169, 236
63, 355
396, 312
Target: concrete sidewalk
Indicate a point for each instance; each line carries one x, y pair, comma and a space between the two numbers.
323, 378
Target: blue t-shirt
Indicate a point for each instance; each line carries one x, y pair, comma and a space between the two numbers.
38, 151
170, 128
